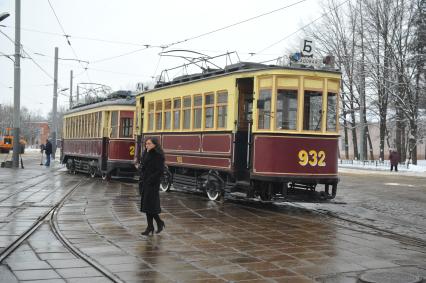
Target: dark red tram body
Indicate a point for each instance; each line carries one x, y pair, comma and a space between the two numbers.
262, 130
98, 138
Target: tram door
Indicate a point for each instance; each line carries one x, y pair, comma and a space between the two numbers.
105, 141
244, 124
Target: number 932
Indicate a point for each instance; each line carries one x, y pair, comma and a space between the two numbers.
313, 158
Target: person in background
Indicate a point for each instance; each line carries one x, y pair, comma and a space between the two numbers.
394, 159
48, 152
151, 171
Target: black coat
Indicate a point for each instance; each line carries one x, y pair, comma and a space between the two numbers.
151, 171
48, 148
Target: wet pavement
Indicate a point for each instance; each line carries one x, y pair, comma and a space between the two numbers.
203, 241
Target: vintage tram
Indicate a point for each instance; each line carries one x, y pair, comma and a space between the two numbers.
263, 130
98, 137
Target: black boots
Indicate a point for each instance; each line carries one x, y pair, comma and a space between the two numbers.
148, 230
161, 226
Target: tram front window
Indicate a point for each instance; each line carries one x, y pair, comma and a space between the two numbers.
312, 110
286, 109
264, 118
331, 111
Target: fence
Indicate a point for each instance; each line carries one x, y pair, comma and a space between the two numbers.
377, 163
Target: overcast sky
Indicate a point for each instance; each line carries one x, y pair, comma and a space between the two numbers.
103, 29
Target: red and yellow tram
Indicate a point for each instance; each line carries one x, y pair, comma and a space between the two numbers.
98, 137
259, 129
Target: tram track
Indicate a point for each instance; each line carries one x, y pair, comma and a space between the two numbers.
51, 217
390, 234
379, 231
28, 186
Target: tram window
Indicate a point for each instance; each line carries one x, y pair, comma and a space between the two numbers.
150, 116
158, 115
265, 112
222, 101
286, 112
176, 113
187, 112
99, 124
167, 114
331, 111
114, 124
126, 126
312, 110
198, 103
209, 110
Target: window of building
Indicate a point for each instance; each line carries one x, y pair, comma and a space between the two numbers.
209, 110
176, 113
222, 109
264, 115
312, 110
331, 111
187, 112
198, 103
151, 116
286, 109
158, 115
167, 114
126, 127
114, 124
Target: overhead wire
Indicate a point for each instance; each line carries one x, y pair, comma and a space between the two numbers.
27, 55
81, 37
234, 24
67, 37
165, 46
298, 30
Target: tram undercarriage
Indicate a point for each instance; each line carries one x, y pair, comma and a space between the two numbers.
218, 184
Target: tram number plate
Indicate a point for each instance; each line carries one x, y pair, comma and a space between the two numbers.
179, 159
132, 150
312, 157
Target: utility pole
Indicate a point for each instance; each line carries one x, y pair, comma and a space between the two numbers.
71, 88
78, 94
55, 102
17, 85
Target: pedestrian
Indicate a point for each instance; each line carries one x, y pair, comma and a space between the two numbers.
394, 159
48, 152
41, 151
151, 171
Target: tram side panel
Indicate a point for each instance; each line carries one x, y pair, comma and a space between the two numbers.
121, 154
88, 150
306, 160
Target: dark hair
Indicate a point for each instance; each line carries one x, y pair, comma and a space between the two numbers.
157, 144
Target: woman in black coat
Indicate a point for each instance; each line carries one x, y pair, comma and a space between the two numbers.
151, 171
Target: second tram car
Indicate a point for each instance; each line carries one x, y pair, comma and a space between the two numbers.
259, 129
98, 137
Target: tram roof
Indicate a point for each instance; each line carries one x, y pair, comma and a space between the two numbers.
129, 100
241, 67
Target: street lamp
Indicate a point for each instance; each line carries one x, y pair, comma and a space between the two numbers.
4, 16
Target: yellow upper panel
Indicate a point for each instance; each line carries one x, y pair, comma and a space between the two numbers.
263, 78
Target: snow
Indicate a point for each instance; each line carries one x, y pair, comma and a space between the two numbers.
373, 165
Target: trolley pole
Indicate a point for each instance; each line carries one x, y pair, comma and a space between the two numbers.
17, 85
55, 103
71, 77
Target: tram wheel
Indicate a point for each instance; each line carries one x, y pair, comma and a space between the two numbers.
213, 190
106, 176
92, 172
333, 191
265, 195
166, 182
